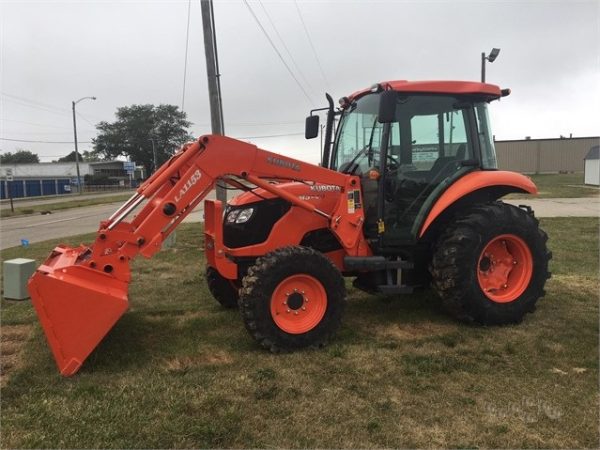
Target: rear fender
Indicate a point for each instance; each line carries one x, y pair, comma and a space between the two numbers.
495, 183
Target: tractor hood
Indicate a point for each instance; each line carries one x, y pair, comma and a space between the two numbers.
250, 217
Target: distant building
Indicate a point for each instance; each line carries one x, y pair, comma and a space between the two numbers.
32, 180
591, 174
544, 155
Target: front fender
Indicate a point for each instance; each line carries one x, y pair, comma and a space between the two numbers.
475, 181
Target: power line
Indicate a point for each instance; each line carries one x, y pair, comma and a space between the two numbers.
187, 43
22, 101
43, 142
312, 46
277, 51
90, 142
270, 136
41, 108
84, 118
285, 46
35, 102
34, 124
47, 133
262, 124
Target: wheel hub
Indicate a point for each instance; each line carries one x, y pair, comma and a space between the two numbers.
298, 304
505, 268
295, 301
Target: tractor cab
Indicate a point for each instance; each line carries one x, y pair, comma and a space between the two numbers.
408, 142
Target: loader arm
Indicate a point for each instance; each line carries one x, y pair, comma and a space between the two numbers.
189, 176
80, 293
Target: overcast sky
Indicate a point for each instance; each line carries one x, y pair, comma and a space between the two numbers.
133, 53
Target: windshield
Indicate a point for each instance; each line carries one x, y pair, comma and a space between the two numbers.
359, 136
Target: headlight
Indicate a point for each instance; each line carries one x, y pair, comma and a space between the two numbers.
232, 215
243, 216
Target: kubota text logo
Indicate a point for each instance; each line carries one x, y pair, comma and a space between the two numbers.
325, 188
189, 183
283, 163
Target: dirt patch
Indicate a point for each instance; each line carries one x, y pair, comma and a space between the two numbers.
581, 283
207, 358
178, 316
415, 331
12, 342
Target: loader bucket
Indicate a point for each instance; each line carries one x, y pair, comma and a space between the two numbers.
77, 305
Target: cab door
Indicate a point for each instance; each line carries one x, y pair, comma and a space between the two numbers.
429, 145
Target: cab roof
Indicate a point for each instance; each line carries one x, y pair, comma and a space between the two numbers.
437, 87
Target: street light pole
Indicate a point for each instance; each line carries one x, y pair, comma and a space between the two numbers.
73, 103
483, 67
153, 155
491, 58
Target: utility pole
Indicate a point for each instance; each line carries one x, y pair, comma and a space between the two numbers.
212, 73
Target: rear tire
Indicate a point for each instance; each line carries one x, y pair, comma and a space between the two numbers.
221, 288
292, 298
490, 264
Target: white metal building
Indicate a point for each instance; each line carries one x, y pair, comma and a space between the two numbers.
591, 166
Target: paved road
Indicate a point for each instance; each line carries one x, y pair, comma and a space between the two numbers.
562, 207
70, 222
25, 202
36, 228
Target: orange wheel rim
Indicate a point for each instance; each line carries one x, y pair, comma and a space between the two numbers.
504, 268
298, 304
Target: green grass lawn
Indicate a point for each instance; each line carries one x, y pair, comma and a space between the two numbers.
65, 204
179, 371
558, 185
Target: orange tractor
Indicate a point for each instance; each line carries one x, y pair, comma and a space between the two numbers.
406, 195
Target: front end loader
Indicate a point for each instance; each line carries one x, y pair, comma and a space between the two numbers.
406, 195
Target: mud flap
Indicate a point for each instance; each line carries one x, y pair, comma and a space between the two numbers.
77, 306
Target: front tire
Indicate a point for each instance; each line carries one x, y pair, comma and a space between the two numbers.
221, 288
292, 298
490, 264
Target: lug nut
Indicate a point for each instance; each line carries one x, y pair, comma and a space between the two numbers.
504, 286
288, 310
296, 312
514, 262
304, 308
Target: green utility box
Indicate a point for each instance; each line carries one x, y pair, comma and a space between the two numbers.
16, 274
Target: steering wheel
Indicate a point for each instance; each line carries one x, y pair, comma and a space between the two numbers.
392, 164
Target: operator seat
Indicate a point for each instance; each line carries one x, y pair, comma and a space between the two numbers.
444, 166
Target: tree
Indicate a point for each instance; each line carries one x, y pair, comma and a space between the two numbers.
136, 129
86, 156
19, 157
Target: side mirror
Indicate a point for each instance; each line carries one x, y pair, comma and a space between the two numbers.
387, 107
311, 128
